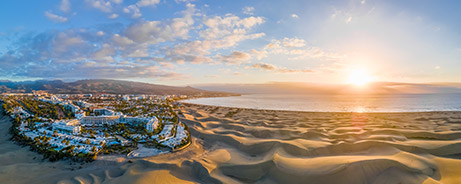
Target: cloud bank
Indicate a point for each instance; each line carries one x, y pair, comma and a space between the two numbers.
145, 48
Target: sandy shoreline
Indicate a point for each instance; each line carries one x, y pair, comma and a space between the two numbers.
299, 111
232, 145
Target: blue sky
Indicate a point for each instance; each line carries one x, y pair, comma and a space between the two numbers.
250, 41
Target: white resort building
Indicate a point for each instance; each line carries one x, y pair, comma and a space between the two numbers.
69, 126
99, 120
74, 126
150, 123
106, 112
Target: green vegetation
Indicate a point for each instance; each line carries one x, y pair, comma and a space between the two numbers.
37, 107
40, 144
117, 149
34, 126
214, 110
186, 141
230, 114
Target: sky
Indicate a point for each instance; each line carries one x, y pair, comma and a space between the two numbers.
183, 42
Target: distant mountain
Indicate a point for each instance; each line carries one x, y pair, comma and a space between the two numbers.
331, 89
96, 86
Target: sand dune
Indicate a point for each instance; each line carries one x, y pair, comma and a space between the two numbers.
262, 146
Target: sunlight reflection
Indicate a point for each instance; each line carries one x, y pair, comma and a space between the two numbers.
359, 109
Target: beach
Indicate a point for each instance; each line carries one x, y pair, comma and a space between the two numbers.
338, 103
235, 145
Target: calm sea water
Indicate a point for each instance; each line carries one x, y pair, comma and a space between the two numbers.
340, 103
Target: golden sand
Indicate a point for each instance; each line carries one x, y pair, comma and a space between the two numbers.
233, 145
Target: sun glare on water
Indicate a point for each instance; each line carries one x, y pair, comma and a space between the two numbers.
359, 77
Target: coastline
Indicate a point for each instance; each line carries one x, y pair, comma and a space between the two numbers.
336, 104
299, 111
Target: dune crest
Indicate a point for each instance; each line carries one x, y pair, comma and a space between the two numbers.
261, 146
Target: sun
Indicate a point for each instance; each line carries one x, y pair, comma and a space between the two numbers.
359, 77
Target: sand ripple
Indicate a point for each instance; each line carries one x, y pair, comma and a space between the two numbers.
261, 146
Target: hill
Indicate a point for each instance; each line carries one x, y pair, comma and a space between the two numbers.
97, 86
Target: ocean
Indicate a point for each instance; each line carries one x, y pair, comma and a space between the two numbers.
339, 103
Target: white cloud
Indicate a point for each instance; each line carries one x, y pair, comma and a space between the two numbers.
264, 66
248, 10
271, 67
185, 1
335, 13
102, 5
136, 12
54, 17
285, 43
121, 41
294, 16
181, 26
345, 16
218, 33
141, 49
236, 57
113, 16
148, 32
259, 54
193, 51
134, 9
166, 65
139, 52
294, 49
218, 27
64, 42
238, 73
293, 42
65, 6
227, 31
134, 40
349, 19
143, 3
105, 53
